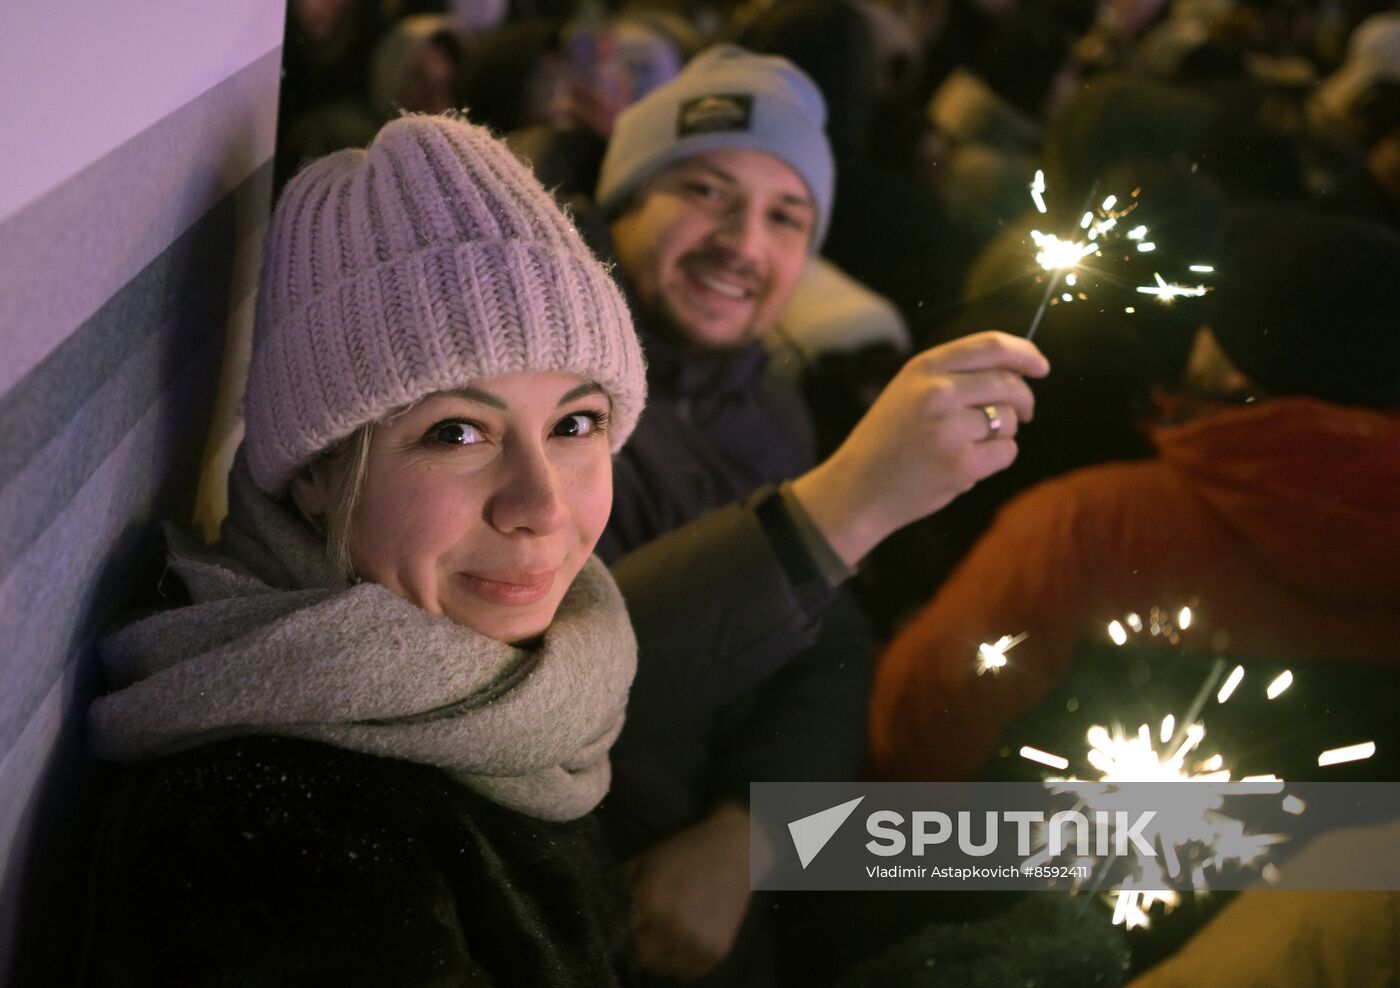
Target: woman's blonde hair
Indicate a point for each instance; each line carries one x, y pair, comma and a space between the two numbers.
348, 458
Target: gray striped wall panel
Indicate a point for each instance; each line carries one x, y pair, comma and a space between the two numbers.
168, 322
119, 287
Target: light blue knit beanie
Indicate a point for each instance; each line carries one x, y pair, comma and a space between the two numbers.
726, 97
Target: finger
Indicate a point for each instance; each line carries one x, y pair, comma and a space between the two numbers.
993, 422
997, 388
992, 456
976, 388
986, 351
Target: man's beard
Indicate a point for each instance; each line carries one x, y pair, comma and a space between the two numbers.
664, 323
662, 320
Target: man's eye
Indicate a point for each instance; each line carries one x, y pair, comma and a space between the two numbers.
455, 433
702, 190
580, 424
790, 220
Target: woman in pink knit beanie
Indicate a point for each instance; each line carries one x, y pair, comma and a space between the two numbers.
367, 750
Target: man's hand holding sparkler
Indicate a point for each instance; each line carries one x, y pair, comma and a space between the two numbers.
947, 420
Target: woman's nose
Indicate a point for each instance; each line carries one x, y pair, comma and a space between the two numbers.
528, 498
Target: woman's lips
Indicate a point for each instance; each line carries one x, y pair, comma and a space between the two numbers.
510, 589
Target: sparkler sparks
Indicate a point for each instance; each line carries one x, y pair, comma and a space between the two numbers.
1202, 837
1061, 256
1351, 753
1038, 191
1056, 762
1206, 836
1168, 293
1236, 677
991, 658
1201, 834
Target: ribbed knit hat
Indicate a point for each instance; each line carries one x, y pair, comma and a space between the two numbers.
428, 261
725, 98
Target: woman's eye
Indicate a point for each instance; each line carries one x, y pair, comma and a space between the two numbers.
580, 424
455, 433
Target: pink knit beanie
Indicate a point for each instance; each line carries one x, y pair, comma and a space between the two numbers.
428, 261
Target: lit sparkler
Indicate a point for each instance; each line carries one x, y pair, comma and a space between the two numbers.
991, 658
1205, 837
1061, 257
1201, 835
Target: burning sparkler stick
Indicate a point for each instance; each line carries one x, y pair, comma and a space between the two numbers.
1061, 257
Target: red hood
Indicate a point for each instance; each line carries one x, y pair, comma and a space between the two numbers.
1313, 487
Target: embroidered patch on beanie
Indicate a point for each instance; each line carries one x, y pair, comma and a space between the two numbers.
715, 113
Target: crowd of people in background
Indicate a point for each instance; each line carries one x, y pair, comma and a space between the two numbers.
939, 113
815, 211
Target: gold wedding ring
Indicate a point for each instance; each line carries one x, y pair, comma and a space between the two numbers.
993, 421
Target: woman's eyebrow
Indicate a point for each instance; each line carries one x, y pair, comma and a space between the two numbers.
591, 388
477, 395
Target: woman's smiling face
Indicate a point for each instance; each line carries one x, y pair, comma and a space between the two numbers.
482, 504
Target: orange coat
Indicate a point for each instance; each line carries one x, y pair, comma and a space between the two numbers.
1281, 519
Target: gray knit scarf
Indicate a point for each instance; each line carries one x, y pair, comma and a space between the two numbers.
277, 642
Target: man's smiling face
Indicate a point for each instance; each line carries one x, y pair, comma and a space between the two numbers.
713, 245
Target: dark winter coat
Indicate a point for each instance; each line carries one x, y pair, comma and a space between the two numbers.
751, 665
276, 861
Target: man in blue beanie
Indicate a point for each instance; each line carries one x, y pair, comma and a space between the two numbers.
717, 188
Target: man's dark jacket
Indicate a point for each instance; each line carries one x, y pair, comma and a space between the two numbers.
752, 667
